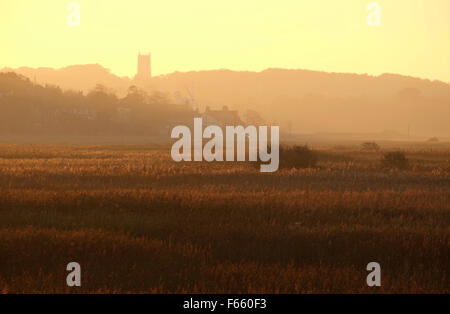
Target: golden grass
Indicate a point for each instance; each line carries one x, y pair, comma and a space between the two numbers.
138, 222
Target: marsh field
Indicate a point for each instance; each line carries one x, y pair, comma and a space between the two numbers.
137, 222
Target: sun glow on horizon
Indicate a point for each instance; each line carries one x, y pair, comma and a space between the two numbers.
332, 36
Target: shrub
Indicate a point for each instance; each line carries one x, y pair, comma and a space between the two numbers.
395, 160
297, 157
370, 147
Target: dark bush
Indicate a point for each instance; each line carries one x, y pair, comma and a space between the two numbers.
297, 157
395, 160
370, 147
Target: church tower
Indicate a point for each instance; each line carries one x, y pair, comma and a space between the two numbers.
144, 70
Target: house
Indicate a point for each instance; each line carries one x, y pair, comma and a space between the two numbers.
222, 117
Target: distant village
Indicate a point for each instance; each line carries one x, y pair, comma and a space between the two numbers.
28, 107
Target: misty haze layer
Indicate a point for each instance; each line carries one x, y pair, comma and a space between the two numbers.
303, 101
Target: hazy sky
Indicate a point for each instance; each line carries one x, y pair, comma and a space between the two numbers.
183, 35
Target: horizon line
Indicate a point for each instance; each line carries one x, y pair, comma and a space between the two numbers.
225, 69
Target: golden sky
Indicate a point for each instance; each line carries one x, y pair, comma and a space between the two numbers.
183, 35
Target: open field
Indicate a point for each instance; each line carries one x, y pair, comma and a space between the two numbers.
138, 222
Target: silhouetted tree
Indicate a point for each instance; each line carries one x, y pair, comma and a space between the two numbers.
103, 101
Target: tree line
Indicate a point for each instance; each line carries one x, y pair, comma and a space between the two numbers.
27, 107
